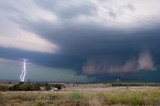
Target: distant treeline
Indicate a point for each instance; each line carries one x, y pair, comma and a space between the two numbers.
30, 87
134, 84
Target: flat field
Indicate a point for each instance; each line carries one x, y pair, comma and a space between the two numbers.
116, 96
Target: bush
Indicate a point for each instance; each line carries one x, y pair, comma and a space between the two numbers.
48, 87
13, 88
58, 86
24, 87
3, 88
35, 88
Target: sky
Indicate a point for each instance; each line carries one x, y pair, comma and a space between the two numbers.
80, 40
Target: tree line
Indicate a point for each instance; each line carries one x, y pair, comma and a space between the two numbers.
30, 87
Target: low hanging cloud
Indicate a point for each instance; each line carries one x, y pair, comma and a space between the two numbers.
143, 62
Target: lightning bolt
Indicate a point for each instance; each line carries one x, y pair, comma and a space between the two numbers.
23, 73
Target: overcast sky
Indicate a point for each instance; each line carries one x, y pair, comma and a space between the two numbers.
80, 40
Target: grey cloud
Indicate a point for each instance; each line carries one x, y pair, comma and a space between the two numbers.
102, 66
67, 9
76, 38
90, 47
112, 14
130, 7
92, 40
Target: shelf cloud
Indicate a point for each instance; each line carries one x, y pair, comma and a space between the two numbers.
92, 37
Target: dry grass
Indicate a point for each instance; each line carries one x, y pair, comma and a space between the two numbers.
81, 98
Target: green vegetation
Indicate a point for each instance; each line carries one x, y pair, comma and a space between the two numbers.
48, 87
58, 86
3, 88
81, 98
135, 96
75, 96
24, 87
29, 87
134, 84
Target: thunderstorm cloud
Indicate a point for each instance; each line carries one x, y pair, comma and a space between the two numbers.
100, 39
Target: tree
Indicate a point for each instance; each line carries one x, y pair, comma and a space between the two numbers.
58, 86
48, 87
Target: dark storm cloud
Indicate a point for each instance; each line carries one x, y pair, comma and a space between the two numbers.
94, 47
91, 39
97, 43
49, 60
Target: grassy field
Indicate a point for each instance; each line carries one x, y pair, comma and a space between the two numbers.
116, 96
